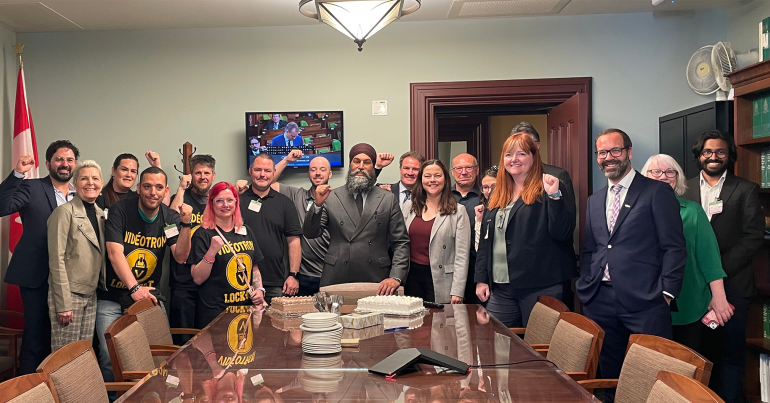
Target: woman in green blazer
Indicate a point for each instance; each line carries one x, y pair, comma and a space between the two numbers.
76, 259
703, 285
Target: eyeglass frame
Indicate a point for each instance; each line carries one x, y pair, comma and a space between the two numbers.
714, 152
666, 172
609, 152
462, 169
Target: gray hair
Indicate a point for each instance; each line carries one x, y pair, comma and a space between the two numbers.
664, 160
291, 126
85, 164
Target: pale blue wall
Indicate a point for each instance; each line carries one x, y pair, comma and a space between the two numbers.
127, 91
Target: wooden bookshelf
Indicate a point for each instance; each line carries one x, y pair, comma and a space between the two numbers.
751, 83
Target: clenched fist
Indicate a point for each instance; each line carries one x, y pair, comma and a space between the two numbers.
25, 163
294, 155
185, 213
153, 158
216, 245
323, 191
185, 181
384, 159
550, 183
241, 185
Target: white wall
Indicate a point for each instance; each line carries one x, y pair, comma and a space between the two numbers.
129, 91
743, 30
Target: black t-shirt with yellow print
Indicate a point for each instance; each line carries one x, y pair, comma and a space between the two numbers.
144, 244
181, 278
230, 276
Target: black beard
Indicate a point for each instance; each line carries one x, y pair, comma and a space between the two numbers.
64, 176
620, 170
355, 184
710, 172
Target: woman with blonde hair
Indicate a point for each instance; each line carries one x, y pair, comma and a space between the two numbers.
703, 285
524, 246
76, 262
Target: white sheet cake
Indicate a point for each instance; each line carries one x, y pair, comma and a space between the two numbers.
391, 304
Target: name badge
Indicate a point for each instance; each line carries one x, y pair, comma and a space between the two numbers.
171, 231
241, 230
715, 207
172, 381
255, 205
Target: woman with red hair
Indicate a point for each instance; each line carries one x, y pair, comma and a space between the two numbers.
525, 247
224, 256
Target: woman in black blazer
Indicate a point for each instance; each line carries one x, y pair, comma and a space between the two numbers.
524, 247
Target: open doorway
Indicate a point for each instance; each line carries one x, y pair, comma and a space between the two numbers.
451, 116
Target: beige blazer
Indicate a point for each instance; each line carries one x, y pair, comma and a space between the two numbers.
449, 250
75, 255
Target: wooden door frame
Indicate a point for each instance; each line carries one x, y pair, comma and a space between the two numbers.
426, 97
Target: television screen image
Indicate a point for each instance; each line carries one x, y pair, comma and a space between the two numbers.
316, 133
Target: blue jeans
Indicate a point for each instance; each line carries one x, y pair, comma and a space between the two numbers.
106, 313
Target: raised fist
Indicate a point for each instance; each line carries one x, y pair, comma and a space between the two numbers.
185, 213
294, 155
216, 244
384, 159
185, 181
550, 183
323, 191
153, 158
241, 185
26, 162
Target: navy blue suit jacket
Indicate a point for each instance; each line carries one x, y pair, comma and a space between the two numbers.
34, 200
281, 141
646, 251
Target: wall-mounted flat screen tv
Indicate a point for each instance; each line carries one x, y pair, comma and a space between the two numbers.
316, 133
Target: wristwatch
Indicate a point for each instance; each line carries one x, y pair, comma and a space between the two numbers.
185, 224
555, 195
397, 279
294, 274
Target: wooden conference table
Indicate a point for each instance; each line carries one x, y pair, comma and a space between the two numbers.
243, 346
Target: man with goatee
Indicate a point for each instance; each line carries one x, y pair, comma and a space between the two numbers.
733, 207
633, 258
34, 200
363, 222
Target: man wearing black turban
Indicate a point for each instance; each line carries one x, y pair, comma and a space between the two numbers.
363, 221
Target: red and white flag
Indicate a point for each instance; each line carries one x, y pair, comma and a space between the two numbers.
23, 144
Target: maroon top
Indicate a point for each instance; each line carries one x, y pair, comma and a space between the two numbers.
419, 239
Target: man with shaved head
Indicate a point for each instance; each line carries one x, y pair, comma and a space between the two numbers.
314, 249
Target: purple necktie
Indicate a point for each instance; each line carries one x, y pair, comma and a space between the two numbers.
613, 217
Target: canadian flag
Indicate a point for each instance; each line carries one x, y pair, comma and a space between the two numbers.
23, 144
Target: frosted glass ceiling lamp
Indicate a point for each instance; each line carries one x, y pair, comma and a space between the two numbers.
358, 19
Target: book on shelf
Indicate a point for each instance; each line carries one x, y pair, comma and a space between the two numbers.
763, 366
766, 321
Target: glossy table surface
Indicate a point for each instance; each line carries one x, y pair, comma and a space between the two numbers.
244, 345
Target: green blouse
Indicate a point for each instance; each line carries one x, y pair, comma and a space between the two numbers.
704, 264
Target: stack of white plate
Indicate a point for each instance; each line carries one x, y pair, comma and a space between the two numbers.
321, 334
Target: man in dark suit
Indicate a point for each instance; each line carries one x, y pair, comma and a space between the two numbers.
275, 122
34, 200
364, 222
733, 207
634, 253
409, 167
289, 138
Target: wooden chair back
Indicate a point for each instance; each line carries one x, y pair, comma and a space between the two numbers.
687, 388
673, 349
153, 321
16, 387
541, 328
565, 343
75, 373
122, 366
352, 292
553, 303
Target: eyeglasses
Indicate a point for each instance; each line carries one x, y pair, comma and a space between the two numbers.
221, 202
461, 169
670, 173
615, 152
69, 160
721, 153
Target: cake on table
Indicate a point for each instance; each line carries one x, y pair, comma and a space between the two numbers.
391, 304
292, 305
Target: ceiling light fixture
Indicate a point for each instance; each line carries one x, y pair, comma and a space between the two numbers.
358, 19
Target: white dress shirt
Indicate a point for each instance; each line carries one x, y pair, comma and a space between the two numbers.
626, 183
710, 194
